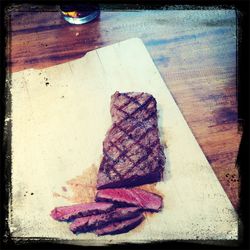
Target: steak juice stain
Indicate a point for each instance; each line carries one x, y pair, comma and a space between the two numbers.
151, 188
82, 187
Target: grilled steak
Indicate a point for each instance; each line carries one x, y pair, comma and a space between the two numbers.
133, 197
69, 213
120, 227
132, 153
89, 223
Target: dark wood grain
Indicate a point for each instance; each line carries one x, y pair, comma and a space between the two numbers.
195, 52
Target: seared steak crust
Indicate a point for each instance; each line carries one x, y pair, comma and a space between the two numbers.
132, 153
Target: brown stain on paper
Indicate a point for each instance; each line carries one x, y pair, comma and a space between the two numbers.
82, 186
151, 188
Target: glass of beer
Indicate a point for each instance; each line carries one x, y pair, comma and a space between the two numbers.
79, 13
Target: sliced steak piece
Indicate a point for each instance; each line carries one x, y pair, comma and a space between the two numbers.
132, 152
132, 196
120, 227
89, 223
68, 213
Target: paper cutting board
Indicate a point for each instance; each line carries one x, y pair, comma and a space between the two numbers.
60, 116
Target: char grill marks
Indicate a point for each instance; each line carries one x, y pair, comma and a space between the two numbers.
132, 156
132, 151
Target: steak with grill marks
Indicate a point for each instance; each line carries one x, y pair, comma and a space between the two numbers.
132, 152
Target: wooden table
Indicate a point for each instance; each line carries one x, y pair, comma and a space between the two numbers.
195, 52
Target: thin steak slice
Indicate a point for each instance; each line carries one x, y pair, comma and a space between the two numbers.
68, 213
133, 196
132, 153
89, 223
120, 227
